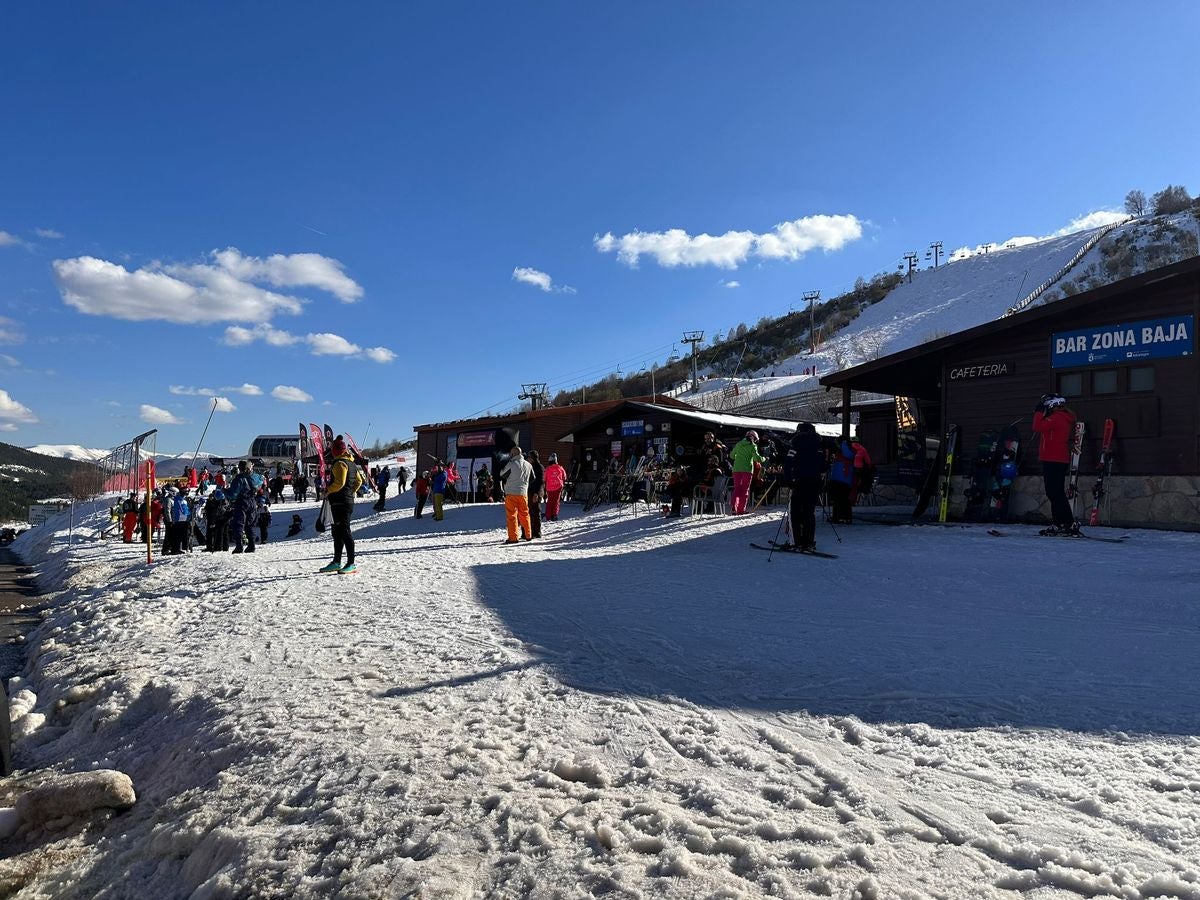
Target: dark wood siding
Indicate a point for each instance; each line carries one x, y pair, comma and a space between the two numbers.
1157, 433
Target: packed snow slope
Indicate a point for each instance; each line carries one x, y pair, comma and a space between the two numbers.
631, 706
963, 294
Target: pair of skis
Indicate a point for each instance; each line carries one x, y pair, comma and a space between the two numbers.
1103, 468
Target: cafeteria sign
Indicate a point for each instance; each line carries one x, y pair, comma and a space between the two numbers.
1115, 344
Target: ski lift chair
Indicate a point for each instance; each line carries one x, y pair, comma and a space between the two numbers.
718, 496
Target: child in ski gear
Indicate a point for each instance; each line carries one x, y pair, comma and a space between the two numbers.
745, 457
263, 520
402, 479
556, 478
1055, 425
421, 490
841, 483
515, 477
802, 470
438, 485
175, 513
344, 481
382, 477
537, 481
216, 532
483, 485
129, 517
864, 472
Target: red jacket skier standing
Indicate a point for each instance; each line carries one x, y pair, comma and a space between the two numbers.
1056, 426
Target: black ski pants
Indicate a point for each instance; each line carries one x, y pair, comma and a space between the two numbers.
1054, 476
805, 494
343, 538
839, 497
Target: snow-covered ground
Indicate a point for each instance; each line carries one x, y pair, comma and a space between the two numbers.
631, 706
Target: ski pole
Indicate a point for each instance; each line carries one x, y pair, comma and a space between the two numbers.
835, 531
775, 542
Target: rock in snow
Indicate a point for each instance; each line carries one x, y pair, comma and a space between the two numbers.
76, 795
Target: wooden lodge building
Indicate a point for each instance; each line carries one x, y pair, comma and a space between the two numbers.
588, 437
1125, 351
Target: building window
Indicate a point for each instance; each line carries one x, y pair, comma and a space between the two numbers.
1141, 378
1070, 384
1104, 381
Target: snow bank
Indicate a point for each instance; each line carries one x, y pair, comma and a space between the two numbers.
633, 706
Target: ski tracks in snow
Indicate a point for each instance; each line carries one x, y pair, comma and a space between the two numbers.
619, 716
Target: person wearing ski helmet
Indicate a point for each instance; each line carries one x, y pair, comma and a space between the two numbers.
745, 458
802, 470
345, 478
1055, 426
556, 479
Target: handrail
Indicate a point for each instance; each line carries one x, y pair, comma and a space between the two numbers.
1080, 254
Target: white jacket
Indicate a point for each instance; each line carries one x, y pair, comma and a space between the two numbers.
515, 475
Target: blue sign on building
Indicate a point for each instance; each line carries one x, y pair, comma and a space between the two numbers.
1106, 345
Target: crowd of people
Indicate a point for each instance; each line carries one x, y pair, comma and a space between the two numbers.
230, 510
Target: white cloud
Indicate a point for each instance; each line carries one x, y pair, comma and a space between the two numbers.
11, 411
788, 240
731, 284
326, 344
224, 404
180, 391
540, 280
185, 295
379, 354
10, 360
48, 233
292, 270
10, 332
1085, 222
156, 415
250, 390
10, 240
7, 426
225, 290
290, 394
319, 344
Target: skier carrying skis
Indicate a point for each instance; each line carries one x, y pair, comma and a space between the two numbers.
1055, 424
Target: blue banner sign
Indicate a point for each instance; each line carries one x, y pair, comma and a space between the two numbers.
1117, 344
633, 427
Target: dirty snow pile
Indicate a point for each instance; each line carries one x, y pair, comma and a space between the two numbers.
631, 706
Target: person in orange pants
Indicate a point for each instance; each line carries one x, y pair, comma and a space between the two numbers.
129, 517
515, 477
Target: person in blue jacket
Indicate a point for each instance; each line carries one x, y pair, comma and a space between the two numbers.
382, 477
841, 483
440, 480
242, 497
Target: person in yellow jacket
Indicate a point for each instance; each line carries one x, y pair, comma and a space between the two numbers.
344, 481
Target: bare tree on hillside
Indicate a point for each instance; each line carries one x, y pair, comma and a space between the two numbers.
1135, 203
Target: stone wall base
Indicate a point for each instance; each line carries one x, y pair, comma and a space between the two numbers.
1132, 501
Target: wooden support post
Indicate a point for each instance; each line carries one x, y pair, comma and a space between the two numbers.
845, 413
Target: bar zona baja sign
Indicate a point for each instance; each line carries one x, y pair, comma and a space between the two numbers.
1129, 342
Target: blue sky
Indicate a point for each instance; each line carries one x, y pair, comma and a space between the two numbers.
404, 211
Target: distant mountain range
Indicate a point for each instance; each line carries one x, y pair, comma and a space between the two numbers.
27, 477
169, 465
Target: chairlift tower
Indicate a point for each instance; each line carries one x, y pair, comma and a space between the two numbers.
536, 394
812, 297
694, 338
934, 252
911, 259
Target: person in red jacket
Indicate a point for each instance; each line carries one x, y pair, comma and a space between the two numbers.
1056, 426
421, 491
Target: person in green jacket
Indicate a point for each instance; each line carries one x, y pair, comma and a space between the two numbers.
745, 457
